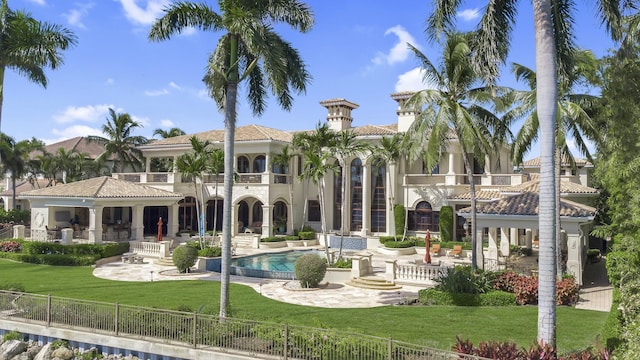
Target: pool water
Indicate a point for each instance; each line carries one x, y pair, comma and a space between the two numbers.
272, 266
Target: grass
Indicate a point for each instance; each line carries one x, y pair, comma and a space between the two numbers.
433, 326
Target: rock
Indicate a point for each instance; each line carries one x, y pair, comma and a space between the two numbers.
44, 353
62, 353
12, 348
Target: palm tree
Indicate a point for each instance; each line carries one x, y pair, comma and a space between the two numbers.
455, 105
554, 43
283, 160
28, 46
194, 165
15, 158
120, 142
216, 166
165, 134
346, 146
573, 120
69, 163
249, 50
391, 151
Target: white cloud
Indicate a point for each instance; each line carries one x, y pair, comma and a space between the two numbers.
109, 82
89, 113
175, 86
400, 51
469, 14
39, 2
156, 92
143, 121
412, 80
74, 16
167, 123
73, 131
146, 14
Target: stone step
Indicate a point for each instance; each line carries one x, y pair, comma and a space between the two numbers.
373, 282
167, 261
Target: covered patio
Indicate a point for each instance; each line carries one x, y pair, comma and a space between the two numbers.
104, 209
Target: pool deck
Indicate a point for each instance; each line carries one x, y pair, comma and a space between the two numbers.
595, 295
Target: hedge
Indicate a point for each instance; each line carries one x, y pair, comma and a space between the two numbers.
446, 223
35, 252
491, 298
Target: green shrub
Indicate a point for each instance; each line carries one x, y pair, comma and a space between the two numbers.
492, 298
210, 251
12, 335
184, 257
399, 218
273, 239
342, 264
446, 223
400, 244
307, 235
612, 328
15, 215
12, 287
464, 280
115, 249
310, 270
291, 237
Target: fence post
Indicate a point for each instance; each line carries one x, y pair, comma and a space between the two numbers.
116, 325
195, 329
285, 349
390, 357
48, 310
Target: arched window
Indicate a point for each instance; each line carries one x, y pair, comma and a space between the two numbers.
356, 195
187, 218
378, 199
337, 197
259, 164
280, 217
257, 212
243, 164
243, 215
423, 218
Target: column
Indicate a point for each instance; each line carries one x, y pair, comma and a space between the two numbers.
95, 224
137, 224
452, 164
492, 252
234, 220
479, 248
574, 256
172, 222
366, 198
515, 236
487, 165
505, 241
147, 165
267, 220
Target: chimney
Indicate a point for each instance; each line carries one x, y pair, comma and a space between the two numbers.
339, 116
406, 116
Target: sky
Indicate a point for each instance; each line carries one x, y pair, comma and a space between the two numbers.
357, 50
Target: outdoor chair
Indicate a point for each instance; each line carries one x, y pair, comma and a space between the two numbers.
435, 250
456, 252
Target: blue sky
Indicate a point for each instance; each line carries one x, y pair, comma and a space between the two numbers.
356, 50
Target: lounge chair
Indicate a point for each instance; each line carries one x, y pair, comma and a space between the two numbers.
456, 252
435, 250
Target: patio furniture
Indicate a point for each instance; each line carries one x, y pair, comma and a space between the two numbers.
456, 252
435, 250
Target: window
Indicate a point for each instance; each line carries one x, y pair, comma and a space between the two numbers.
378, 201
423, 218
257, 211
243, 164
356, 195
259, 164
314, 210
187, 218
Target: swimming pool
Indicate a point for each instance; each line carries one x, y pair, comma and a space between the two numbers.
272, 266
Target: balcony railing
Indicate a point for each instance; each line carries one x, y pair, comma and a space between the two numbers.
177, 178
462, 179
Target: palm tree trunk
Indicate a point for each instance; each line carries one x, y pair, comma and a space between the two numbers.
306, 201
195, 188
476, 246
547, 100
391, 201
323, 220
556, 169
343, 176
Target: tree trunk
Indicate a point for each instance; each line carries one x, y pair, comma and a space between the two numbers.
476, 246
323, 220
343, 177
556, 170
546, 104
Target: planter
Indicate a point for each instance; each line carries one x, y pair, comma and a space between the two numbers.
337, 275
396, 251
273, 245
310, 242
294, 243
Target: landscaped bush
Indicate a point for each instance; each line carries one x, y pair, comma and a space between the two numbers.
184, 257
509, 351
342, 264
399, 244
491, 298
307, 235
45, 253
567, 291
526, 288
446, 223
10, 246
463, 280
399, 218
273, 239
310, 270
292, 237
210, 251
15, 215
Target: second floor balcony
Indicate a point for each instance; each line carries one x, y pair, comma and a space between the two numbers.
178, 178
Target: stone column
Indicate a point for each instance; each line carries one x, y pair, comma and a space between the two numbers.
18, 231
505, 241
137, 224
267, 222
173, 225
95, 224
479, 249
492, 251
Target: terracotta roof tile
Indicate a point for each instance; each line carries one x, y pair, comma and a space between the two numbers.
25, 185
480, 195
535, 163
566, 187
527, 204
242, 133
102, 187
79, 144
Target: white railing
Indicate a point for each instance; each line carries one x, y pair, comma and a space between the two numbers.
152, 249
416, 273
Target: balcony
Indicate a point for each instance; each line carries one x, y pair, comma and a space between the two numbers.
177, 178
497, 180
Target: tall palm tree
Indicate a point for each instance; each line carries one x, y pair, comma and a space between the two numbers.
346, 145
69, 163
573, 121
28, 46
120, 141
216, 166
456, 106
554, 41
249, 49
165, 134
283, 160
15, 158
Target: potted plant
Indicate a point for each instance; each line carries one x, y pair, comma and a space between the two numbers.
280, 223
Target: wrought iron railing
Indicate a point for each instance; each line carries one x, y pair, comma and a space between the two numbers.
258, 339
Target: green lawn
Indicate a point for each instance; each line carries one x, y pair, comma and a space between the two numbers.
434, 326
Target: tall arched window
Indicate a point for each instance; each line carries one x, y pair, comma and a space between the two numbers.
256, 212
187, 218
423, 218
280, 217
356, 195
378, 199
259, 164
337, 197
243, 164
243, 215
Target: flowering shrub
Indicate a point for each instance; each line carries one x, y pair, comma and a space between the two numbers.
538, 351
567, 291
10, 246
526, 290
506, 280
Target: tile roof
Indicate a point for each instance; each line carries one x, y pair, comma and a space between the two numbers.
480, 195
375, 130
25, 185
242, 133
79, 144
566, 187
102, 187
535, 163
527, 204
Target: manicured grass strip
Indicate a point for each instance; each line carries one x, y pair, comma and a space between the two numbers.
434, 326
